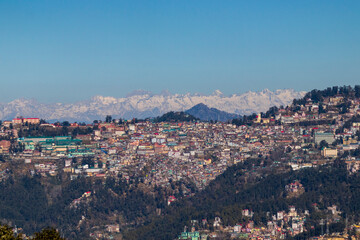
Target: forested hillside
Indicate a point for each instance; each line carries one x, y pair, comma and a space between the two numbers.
33, 204
229, 194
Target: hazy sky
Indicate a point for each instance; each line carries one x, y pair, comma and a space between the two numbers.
71, 50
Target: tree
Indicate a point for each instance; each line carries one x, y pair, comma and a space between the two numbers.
65, 124
48, 233
288, 149
38, 147
323, 144
75, 132
357, 91
108, 118
65, 131
89, 161
6, 233
321, 108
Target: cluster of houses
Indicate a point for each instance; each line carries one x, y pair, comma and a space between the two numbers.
294, 189
75, 203
199, 151
282, 224
196, 151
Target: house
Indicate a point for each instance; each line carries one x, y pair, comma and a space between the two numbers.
113, 228
247, 213
5, 145
7, 123
21, 120
217, 222
171, 199
31, 120
17, 121
328, 152
294, 187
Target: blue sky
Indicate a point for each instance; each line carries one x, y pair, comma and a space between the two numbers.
64, 51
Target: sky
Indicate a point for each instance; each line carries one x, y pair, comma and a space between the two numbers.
66, 51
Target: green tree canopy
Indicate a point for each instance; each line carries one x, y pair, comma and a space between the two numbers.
6, 233
48, 233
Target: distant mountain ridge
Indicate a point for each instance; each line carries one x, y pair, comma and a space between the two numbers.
205, 113
142, 104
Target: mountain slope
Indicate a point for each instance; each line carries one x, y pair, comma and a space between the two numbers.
144, 104
175, 117
228, 194
205, 113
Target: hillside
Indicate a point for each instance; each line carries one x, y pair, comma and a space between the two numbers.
205, 113
175, 117
317, 107
228, 195
281, 175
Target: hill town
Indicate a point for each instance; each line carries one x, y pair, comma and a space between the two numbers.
181, 156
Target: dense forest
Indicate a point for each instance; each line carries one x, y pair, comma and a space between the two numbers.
35, 203
175, 117
6, 233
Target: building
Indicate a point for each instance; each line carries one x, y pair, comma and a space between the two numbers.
17, 121
326, 136
5, 145
21, 120
31, 120
328, 152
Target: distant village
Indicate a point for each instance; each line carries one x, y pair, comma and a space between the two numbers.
161, 152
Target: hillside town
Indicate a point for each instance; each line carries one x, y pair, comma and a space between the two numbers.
179, 120
158, 153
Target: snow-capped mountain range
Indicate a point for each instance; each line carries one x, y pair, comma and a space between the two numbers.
142, 104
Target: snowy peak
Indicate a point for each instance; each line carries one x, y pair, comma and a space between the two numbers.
217, 93
139, 92
142, 104
104, 100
